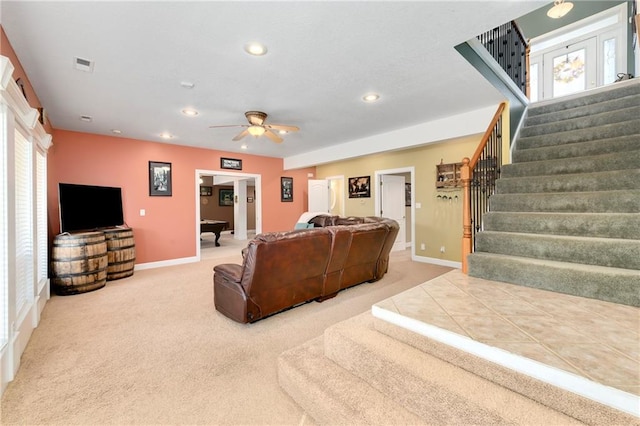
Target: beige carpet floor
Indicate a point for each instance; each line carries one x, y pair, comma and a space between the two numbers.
151, 349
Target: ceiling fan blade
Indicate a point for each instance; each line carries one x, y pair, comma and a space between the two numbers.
268, 133
229, 125
241, 135
283, 127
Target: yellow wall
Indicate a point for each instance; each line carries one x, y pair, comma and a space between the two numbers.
438, 222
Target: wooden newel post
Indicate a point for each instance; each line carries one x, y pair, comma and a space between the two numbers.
465, 177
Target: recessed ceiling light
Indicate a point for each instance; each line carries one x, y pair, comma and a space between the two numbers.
190, 112
371, 97
116, 131
187, 84
255, 49
86, 118
166, 135
283, 132
243, 146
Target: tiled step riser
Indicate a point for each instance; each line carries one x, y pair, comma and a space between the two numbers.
580, 202
585, 111
590, 121
613, 285
581, 149
597, 163
608, 225
584, 135
584, 182
614, 253
618, 90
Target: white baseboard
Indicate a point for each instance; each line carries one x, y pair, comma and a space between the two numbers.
433, 260
163, 263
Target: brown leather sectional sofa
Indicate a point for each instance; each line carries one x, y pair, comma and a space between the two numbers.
284, 269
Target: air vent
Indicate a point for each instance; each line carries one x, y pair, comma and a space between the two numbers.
83, 64
86, 118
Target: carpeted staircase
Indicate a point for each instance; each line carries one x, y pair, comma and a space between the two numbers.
566, 214
366, 370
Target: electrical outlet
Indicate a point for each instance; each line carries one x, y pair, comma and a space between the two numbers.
423, 247
441, 249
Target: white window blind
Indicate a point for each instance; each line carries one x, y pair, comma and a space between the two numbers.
41, 216
4, 284
24, 223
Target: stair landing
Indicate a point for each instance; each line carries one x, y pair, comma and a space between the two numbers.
586, 346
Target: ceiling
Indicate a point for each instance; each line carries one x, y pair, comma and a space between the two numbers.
322, 58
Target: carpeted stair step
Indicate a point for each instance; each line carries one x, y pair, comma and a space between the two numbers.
626, 201
597, 282
605, 225
628, 160
606, 131
572, 404
581, 123
583, 182
578, 149
332, 395
584, 111
435, 390
594, 96
611, 252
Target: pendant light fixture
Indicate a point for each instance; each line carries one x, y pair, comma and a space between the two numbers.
559, 9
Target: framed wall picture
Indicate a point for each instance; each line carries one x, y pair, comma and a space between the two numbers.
225, 197
286, 189
159, 178
230, 163
360, 187
206, 191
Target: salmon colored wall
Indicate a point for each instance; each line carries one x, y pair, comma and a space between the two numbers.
167, 231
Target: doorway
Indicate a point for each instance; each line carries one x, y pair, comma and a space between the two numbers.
395, 200
238, 198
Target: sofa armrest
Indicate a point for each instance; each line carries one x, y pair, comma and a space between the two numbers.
230, 271
229, 297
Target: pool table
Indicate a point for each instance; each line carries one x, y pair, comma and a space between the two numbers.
215, 226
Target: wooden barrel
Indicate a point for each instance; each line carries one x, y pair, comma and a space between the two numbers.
121, 251
78, 262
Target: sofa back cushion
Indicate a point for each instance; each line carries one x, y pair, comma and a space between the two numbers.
283, 269
367, 240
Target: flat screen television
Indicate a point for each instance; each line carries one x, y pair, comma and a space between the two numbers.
86, 207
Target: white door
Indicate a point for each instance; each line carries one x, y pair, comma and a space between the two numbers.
570, 69
393, 205
319, 200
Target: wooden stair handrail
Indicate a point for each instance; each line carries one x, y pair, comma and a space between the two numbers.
485, 137
466, 173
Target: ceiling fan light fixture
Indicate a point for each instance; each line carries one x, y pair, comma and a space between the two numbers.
255, 49
256, 130
559, 9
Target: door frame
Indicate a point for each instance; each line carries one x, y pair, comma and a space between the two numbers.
377, 204
235, 175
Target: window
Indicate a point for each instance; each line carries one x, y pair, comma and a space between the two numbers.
24, 260
41, 218
609, 61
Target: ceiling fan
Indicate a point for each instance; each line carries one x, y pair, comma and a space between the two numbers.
258, 127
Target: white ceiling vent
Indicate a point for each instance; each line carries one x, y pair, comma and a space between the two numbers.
83, 64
